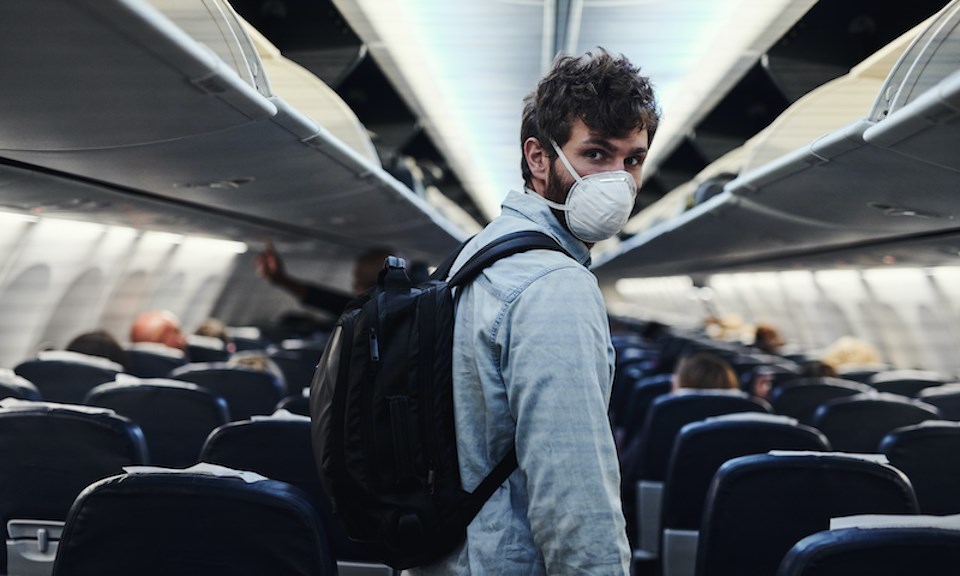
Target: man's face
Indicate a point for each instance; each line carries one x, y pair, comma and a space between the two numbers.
589, 153
172, 336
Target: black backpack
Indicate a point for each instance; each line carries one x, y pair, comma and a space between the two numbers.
381, 405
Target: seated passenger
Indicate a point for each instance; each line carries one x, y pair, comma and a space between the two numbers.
767, 339
158, 331
214, 328
848, 351
704, 371
258, 360
99, 343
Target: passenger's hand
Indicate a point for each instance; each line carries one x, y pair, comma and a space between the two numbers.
269, 264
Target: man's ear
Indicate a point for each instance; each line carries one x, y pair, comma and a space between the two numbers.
537, 158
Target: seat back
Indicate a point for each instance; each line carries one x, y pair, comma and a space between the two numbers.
906, 382
147, 363
645, 459
51, 452
13, 386
927, 454
874, 551
246, 390
946, 398
702, 447
279, 449
759, 506
800, 398
176, 417
638, 402
859, 423
298, 364
66, 379
157, 524
668, 414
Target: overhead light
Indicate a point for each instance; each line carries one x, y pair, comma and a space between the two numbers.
889, 210
167, 237
18, 217
228, 184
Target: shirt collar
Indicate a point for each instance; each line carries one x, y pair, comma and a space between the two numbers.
526, 205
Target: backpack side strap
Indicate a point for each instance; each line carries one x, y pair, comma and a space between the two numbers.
475, 501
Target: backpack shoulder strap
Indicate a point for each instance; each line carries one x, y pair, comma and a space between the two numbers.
502, 247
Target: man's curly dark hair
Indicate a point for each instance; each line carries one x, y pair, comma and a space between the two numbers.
606, 92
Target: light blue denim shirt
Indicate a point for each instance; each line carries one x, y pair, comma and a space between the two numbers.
533, 365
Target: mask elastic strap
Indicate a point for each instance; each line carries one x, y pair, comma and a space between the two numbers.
565, 161
549, 203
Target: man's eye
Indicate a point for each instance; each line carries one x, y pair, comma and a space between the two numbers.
633, 161
595, 155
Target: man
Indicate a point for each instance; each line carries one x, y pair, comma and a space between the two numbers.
533, 362
366, 268
158, 327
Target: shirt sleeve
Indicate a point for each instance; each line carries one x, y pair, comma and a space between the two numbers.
324, 299
556, 363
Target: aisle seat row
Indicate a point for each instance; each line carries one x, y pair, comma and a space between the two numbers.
722, 500
55, 451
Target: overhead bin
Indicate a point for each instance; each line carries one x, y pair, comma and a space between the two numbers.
113, 93
922, 97
839, 192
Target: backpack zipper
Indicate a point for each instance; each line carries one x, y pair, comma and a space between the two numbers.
374, 346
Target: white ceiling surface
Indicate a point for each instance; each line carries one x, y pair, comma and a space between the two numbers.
464, 67
113, 92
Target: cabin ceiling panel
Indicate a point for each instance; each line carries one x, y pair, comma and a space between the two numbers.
127, 116
82, 84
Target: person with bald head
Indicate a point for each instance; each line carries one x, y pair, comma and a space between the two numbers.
158, 327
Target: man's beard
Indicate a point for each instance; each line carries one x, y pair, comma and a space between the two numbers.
557, 187
557, 190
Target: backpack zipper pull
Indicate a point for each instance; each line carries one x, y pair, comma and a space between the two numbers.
374, 346
431, 480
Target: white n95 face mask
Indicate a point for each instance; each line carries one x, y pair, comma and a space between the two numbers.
597, 205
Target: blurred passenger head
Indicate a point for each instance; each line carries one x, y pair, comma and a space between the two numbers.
850, 351
213, 328
99, 343
767, 339
160, 326
258, 360
704, 371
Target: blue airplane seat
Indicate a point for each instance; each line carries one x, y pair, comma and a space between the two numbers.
187, 523
51, 452
859, 423
280, 449
13, 386
176, 417
149, 360
927, 454
247, 391
946, 398
906, 382
645, 459
66, 377
800, 398
919, 551
759, 506
700, 449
